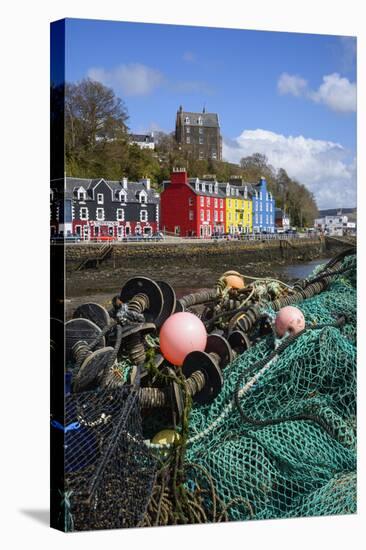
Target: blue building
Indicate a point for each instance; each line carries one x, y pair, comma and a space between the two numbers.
263, 208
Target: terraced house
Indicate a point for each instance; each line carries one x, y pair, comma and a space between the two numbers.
238, 207
191, 207
100, 209
263, 208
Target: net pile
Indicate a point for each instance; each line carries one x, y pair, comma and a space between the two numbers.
109, 473
293, 452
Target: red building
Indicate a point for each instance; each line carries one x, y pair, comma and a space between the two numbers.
192, 207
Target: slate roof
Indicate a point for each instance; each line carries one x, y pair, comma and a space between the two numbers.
133, 189
208, 119
145, 138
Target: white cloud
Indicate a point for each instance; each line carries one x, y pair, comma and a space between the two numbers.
291, 84
337, 93
131, 79
322, 166
136, 79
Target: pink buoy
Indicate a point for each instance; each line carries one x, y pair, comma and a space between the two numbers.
289, 319
180, 334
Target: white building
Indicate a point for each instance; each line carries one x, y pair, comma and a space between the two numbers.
144, 141
335, 225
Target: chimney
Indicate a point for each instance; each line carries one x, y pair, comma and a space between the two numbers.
147, 182
124, 183
179, 175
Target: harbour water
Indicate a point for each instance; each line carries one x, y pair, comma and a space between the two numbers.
183, 280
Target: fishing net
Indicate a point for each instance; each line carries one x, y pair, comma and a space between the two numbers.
292, 450
109, 472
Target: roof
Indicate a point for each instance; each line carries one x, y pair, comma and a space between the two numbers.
335, 211
146, 138
208, 119
132, 191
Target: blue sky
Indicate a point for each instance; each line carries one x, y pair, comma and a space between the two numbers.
290, 96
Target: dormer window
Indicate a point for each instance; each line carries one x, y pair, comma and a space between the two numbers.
100, 198
143, 197
187, 121
216, 188
197, 185
200, 121
210, 188
81, 194
122, 196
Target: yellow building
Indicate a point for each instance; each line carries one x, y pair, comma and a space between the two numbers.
239, 214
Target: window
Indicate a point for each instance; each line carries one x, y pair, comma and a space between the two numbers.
229, 203
200, 130
201, 140
208, 201
202, 215
143, 198
81, 195
110, 231
236, 204
216, 216
120, 214
200, 121
187, 121
202, 201
120, 231
260, 206
100, 213
188, 139
78, 230
213, 154
143, 215
100, 198
221, 203
201, 155
84, 215
266, 219
210, 188
266, 206
208, 215
246, 192
215, 203
188, 130
191, 215
190, 201
122, 197
221, 216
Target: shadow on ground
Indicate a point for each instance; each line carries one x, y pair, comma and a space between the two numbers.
42, 516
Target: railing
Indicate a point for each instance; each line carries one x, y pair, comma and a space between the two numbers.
262, 237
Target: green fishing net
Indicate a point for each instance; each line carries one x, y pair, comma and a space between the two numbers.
294, 452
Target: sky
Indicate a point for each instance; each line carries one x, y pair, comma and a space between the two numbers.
289, 96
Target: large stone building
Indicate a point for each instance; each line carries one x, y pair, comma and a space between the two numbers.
198, 134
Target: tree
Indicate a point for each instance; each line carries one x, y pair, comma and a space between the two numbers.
93, 116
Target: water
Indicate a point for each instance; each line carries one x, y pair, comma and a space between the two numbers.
292, 272
202, 277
